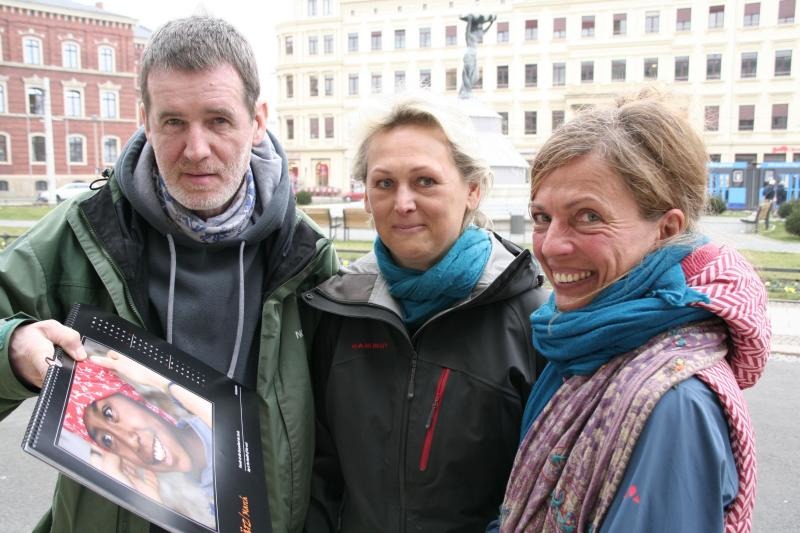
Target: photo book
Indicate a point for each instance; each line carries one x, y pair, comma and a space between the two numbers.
152, 429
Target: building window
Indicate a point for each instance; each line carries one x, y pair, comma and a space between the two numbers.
352, 42
399, 39
290, 86
329, 127
32, 51
3, 184
558, 119
2, 97
682, 68
70, 55
288, 45
783, 62
786, 11
73, 106
327, 44
312, 8
652, 21
328, 85
715, 158
780, 116
620, 24
108, 104
559, 74
352, 84
290, 129
530, 122
313, 86
502, 32
312, 45
683, 19
618, 68
75, 150
105, 59
425, 78
746, 117
502, 76
38, 150
531, 75
110, 150
40, 185
479, 83
376, 83
5, 148
587, 71
713, 66
560, 28
752, 14
651, 68
35, 101
503, 122
399, 80
587, 26
424, 37
375, 41
450, 36
531, 29
451, 79
313, 128
711, 122
716, 17
326, 7
749, 64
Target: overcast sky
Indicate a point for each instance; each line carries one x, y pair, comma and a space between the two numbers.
256, 23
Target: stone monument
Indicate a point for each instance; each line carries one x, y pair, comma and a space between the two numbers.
509, 195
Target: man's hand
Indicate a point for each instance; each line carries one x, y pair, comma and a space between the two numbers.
32, 344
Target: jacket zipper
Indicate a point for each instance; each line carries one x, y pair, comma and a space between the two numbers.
433, 417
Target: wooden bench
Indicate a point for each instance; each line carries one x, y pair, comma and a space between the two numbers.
762, 213
355, 218
322, 217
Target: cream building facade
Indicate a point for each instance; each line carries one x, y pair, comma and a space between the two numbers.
733, 65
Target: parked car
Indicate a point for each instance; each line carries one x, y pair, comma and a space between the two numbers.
353, 196
64, 192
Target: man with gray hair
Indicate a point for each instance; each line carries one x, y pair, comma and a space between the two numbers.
195, 237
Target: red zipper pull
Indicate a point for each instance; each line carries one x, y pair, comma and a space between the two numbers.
433, 418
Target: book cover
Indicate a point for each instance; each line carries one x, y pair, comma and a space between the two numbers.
152, 429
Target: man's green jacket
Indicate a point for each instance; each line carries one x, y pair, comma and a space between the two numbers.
86, 251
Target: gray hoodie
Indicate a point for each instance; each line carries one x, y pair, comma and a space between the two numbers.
208, 296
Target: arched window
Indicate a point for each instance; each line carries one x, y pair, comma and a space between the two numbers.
5, 149
73, 103
76, 152
105, 59
70, 55
32, 51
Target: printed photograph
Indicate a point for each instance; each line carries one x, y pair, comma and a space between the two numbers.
150, 434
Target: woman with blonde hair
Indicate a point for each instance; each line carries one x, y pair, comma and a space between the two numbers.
422, 360
638, 422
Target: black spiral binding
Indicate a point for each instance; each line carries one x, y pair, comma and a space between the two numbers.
31, 437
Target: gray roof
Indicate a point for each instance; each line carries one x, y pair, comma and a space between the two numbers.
77, 6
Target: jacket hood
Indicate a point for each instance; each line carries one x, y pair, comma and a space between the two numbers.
503, 277
134, 173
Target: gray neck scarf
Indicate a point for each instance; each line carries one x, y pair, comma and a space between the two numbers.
230, 223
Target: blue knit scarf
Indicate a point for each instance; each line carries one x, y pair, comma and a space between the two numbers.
424, 293
652, 298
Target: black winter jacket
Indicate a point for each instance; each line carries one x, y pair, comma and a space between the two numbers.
418, 432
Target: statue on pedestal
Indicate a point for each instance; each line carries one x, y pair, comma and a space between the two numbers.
477, 25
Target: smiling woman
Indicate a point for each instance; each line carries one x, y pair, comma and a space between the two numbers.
425, 328
638, 422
